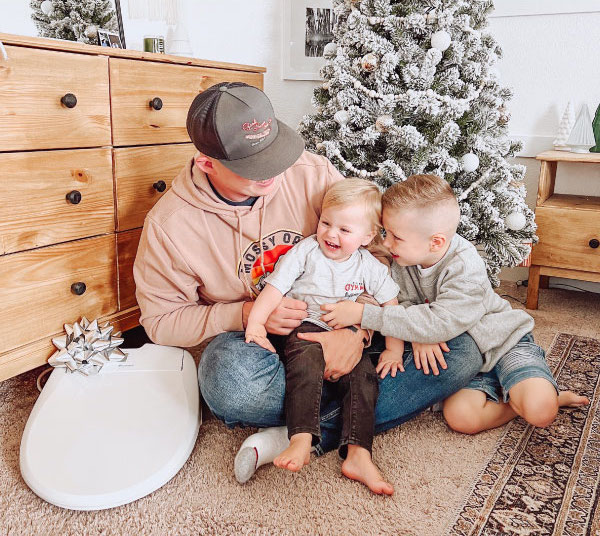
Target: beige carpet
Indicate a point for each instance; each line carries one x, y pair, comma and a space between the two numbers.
432, 468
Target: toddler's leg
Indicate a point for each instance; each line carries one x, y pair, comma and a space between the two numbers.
304, 368
359, 390
469, 412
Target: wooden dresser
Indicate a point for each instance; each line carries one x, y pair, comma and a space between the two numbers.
90, 138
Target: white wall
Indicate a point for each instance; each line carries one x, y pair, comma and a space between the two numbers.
548, 60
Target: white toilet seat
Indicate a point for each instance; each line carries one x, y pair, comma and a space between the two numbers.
95, 442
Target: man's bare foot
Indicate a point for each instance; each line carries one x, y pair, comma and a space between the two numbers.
297, 455
571, 399
358, 465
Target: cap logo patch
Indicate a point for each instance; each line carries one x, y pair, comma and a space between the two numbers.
261, 129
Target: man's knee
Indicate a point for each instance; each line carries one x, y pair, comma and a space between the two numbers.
466, 354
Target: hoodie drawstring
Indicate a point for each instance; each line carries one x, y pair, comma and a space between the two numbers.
245, 276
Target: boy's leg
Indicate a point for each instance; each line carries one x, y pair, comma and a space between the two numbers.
304, 369
359, 390
410, 392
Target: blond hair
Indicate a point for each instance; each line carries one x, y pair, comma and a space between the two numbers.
418, 191
352, 191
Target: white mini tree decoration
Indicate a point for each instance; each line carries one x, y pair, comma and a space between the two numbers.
564, 128
582, 135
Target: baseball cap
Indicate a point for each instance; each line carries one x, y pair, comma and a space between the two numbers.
235, 124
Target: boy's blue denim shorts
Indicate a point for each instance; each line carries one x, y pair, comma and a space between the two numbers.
524, 360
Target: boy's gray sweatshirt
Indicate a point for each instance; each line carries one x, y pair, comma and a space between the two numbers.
451, 297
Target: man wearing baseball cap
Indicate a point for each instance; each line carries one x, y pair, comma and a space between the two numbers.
249, 194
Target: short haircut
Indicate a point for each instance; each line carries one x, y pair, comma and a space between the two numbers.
419, 191
352, 191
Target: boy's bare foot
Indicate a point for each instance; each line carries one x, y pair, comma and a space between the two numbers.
358, 465
297, 455
571, 399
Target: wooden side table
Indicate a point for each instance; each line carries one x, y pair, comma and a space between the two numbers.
568, 229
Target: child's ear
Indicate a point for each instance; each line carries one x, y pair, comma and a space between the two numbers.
369, 239
438, 241
204, 164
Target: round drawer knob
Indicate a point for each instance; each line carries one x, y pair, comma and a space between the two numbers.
74, 197
160, 186
78, 288
594, 243
156, 103
69, 100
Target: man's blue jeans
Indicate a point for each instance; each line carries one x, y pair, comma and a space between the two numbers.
244, 385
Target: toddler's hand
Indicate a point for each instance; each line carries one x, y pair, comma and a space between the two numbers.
390, 361
426, 356
258, 334
342, 314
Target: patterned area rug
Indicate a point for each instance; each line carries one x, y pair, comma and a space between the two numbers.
545, 481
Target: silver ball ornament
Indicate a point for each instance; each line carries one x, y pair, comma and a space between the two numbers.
342, 117
470, 162
47, 7
515, 221
441, 40
330, 50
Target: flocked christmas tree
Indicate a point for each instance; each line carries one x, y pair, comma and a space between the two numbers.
73, 20
410, 87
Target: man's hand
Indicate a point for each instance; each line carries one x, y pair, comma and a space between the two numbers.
287, 316
342, 350
258, 334
391, 361
342, 314
426, 356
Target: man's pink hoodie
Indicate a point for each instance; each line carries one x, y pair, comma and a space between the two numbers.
200, 259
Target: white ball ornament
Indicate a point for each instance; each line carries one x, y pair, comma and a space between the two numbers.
341, 117
47, 7
91, 32
515, 221
470, 162
369, 62
441, 40
330, 50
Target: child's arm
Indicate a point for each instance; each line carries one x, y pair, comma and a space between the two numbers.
266, 302
426, 355
392, 358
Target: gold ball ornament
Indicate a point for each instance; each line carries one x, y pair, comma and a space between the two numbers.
369, 62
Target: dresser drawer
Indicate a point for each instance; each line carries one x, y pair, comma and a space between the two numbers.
134, 84
35, 209
36, 295
32, 84
127, 245
565, 236
137, 170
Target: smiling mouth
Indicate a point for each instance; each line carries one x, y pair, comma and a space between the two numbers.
330, 245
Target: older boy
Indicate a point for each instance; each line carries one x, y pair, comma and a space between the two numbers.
445, 291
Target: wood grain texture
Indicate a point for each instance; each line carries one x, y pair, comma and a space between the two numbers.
127, 245
32, 83
35, 211
136, 170
35, 288
36, 354
564, 156
546, 181
82, 48
135, 84
564, 239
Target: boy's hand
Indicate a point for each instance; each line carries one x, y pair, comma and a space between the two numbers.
390, 361
342, 314
258, 334
426, 356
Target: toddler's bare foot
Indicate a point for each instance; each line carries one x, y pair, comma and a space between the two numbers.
571, 399
297, 455
358, 465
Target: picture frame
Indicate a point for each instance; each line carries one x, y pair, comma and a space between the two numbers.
307, 28
518, 8
109, 39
